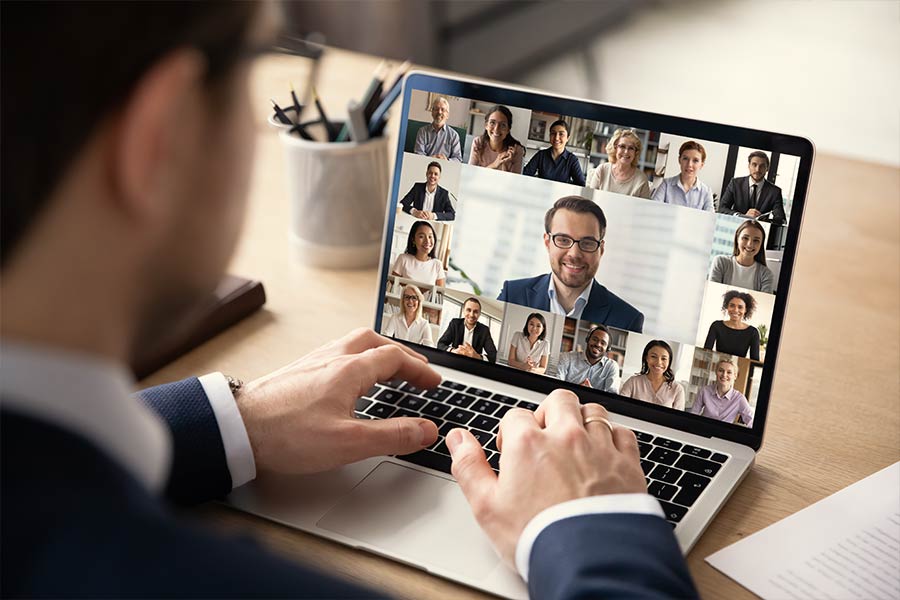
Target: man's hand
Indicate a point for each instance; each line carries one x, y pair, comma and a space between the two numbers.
548, 457
440, 156
466, 350
419, 214
586, 383
753, 213
300, 418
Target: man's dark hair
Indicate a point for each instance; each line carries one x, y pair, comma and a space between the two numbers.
577, 204
595, 329
560, 122
759, 154
68, 65
471, 299
434, 163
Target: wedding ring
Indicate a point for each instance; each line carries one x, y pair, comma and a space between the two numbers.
600, 420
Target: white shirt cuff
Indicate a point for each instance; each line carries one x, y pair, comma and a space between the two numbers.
643, 504
238, 453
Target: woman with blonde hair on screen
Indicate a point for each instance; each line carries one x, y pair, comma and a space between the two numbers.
621, 174
409, 324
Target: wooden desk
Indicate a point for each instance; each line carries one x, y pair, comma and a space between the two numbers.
834, 417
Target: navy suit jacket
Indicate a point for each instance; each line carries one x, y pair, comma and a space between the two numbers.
74, 523
415, 198
603, 306
736, 200
482, 341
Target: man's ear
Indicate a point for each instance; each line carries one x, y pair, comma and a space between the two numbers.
547, 241
602, 247
145, 139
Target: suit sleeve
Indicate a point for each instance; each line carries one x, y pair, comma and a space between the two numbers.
446, 339
608, 556
443, 207
489, 348
778, 215
407, 202
726, 203
199, 464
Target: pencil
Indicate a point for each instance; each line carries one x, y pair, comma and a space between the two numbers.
329, 126
297, 106
280, 114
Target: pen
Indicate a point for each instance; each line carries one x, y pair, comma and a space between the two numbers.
280, 114
377, 79
329, 127
297, 106
379, 116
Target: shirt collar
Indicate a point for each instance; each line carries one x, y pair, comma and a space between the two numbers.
91, 397
727, 395
751, 183
580, 302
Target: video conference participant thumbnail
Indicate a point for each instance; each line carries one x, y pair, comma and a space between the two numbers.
686, 189
735, 336
621, 174
409, 324
428, 200
753, 196
529, 349
496, 148
656, 381
438, 139
720, 401
556, 163
591, 368
468, 337
418, 261
574, 228
746, 267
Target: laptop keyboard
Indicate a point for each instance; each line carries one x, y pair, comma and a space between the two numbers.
676, 473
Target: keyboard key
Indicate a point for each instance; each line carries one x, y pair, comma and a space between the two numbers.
691, 487
411, 389
441, 448
394, 383
527, 405
452, 385
437, 394
667, 443
403, 412
695, 451
647, 466
479, 392
460, 416
643, 437
492, 445
362, 403
666, 474
371, 393
693, 464
661, 490
494, 461
502, 411
380, 411
644, 449
673, 513
438, 441
360, 415
483, 437
485, 423
427, 458
719, 458
663, 456
463, 400
485, 407
444, 429
434, 420
389, 396
435, 409
412, 402
504, 399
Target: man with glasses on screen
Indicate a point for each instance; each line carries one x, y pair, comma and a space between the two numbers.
574, 230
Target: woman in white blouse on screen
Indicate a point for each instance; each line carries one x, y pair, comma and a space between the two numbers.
418, 262
528, 350
409, 324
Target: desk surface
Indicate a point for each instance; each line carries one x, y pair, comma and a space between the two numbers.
834, 417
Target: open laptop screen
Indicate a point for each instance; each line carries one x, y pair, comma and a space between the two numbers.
660, 275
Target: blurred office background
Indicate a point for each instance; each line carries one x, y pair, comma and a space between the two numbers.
825, 69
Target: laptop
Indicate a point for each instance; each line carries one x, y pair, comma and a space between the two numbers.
671, 293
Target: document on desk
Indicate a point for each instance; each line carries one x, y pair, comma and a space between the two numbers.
844, 546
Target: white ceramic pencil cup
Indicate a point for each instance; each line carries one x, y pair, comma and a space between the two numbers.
338, 193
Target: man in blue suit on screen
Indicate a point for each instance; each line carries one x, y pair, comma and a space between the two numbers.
574, 228
119, 217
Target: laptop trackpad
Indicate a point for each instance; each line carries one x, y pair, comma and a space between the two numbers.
416, 517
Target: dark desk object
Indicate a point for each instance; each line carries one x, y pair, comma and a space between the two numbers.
234, 299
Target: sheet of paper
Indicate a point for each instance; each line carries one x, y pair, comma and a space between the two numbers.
844, 546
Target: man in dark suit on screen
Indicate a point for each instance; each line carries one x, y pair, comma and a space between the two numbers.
753, 196
574, 228
428, 200
120, 218
467, 336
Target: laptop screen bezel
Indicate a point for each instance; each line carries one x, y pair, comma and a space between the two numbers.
549, 103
